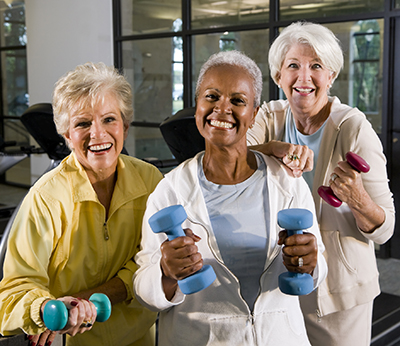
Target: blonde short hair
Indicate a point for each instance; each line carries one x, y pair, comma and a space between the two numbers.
86, 85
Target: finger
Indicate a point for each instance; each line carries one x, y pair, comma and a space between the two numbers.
34, 339
189, 233
44, 337
282, 237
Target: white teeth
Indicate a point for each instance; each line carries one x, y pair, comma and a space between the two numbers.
223, 124
100, 147
304, 90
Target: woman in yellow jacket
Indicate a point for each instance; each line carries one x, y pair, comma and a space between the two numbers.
79, 227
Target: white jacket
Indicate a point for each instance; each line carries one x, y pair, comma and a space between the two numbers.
350, 253
218, 315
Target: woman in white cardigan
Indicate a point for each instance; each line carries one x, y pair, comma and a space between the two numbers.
232, 196
304, 61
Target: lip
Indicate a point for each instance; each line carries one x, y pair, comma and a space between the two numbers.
100, 148
221, 124
304, 91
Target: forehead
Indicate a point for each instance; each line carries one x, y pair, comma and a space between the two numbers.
300, 50
228, 75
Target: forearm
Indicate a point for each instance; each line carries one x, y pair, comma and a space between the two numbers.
114, 289
368, 215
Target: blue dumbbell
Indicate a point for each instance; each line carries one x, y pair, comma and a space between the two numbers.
294, 221
169, 221
55, 314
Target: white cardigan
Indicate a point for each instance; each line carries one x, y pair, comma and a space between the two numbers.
218, 315
350, 253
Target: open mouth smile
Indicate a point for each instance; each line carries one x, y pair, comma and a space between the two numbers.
100, 147
304, 90
222, 124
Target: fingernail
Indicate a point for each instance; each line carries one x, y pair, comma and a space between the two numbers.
74, 303
30, 337
33, 343
49, 343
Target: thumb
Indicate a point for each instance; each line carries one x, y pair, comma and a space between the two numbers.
189, 233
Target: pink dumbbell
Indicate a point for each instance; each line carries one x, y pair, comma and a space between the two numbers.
355, 161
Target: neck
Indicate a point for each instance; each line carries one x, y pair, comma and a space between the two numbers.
309, 122
228, 166
104, 188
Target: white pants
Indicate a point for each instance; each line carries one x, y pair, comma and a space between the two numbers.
343, 328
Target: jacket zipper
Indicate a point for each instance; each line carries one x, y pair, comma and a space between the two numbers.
105, 229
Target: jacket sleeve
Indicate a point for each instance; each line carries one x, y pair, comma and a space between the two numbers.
30, 246
368, 146
147, 282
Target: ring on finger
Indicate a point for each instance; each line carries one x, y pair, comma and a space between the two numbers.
301, 262
86, 324
334, 176
292, 157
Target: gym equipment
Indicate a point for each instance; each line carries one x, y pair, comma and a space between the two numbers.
168, 221
294, 221
55, 314
355, 161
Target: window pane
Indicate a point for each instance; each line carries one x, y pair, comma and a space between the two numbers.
360, 83
148, 65
254, 43
15, 89
217, 13
302, 9
397, 4
147, 143
144, 17
13, 24
15, 131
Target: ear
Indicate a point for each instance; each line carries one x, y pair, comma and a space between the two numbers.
67, 137
278, 78
126, 129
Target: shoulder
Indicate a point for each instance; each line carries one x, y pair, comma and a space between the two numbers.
275, 106
146, 170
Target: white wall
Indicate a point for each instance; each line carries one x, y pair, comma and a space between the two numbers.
61, 35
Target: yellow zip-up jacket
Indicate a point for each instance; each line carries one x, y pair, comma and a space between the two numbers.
62, 243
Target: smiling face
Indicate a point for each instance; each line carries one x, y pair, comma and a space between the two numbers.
225, 105
305, 80
97, 136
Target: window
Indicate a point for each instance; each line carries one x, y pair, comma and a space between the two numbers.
14, 85
162, 44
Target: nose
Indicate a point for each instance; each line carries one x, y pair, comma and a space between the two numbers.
97, 129
304, 74
224, 105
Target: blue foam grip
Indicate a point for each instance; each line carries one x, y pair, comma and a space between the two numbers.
294, 221
55, 314
169, 221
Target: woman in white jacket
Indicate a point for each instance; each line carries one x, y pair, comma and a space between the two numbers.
232, 196
304, 61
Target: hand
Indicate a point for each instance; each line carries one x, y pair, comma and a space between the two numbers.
81, 315
296, 246
347, 185
297, 158
46, 338
180, 256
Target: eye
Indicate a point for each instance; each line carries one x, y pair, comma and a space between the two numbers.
211, 97
317, 66
109, 119
293, 65
83, 124
238, 101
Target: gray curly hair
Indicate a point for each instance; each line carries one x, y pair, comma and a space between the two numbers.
86, 85
234, 58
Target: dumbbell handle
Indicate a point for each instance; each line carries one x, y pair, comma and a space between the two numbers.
355, 161
55, 313
169, 221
